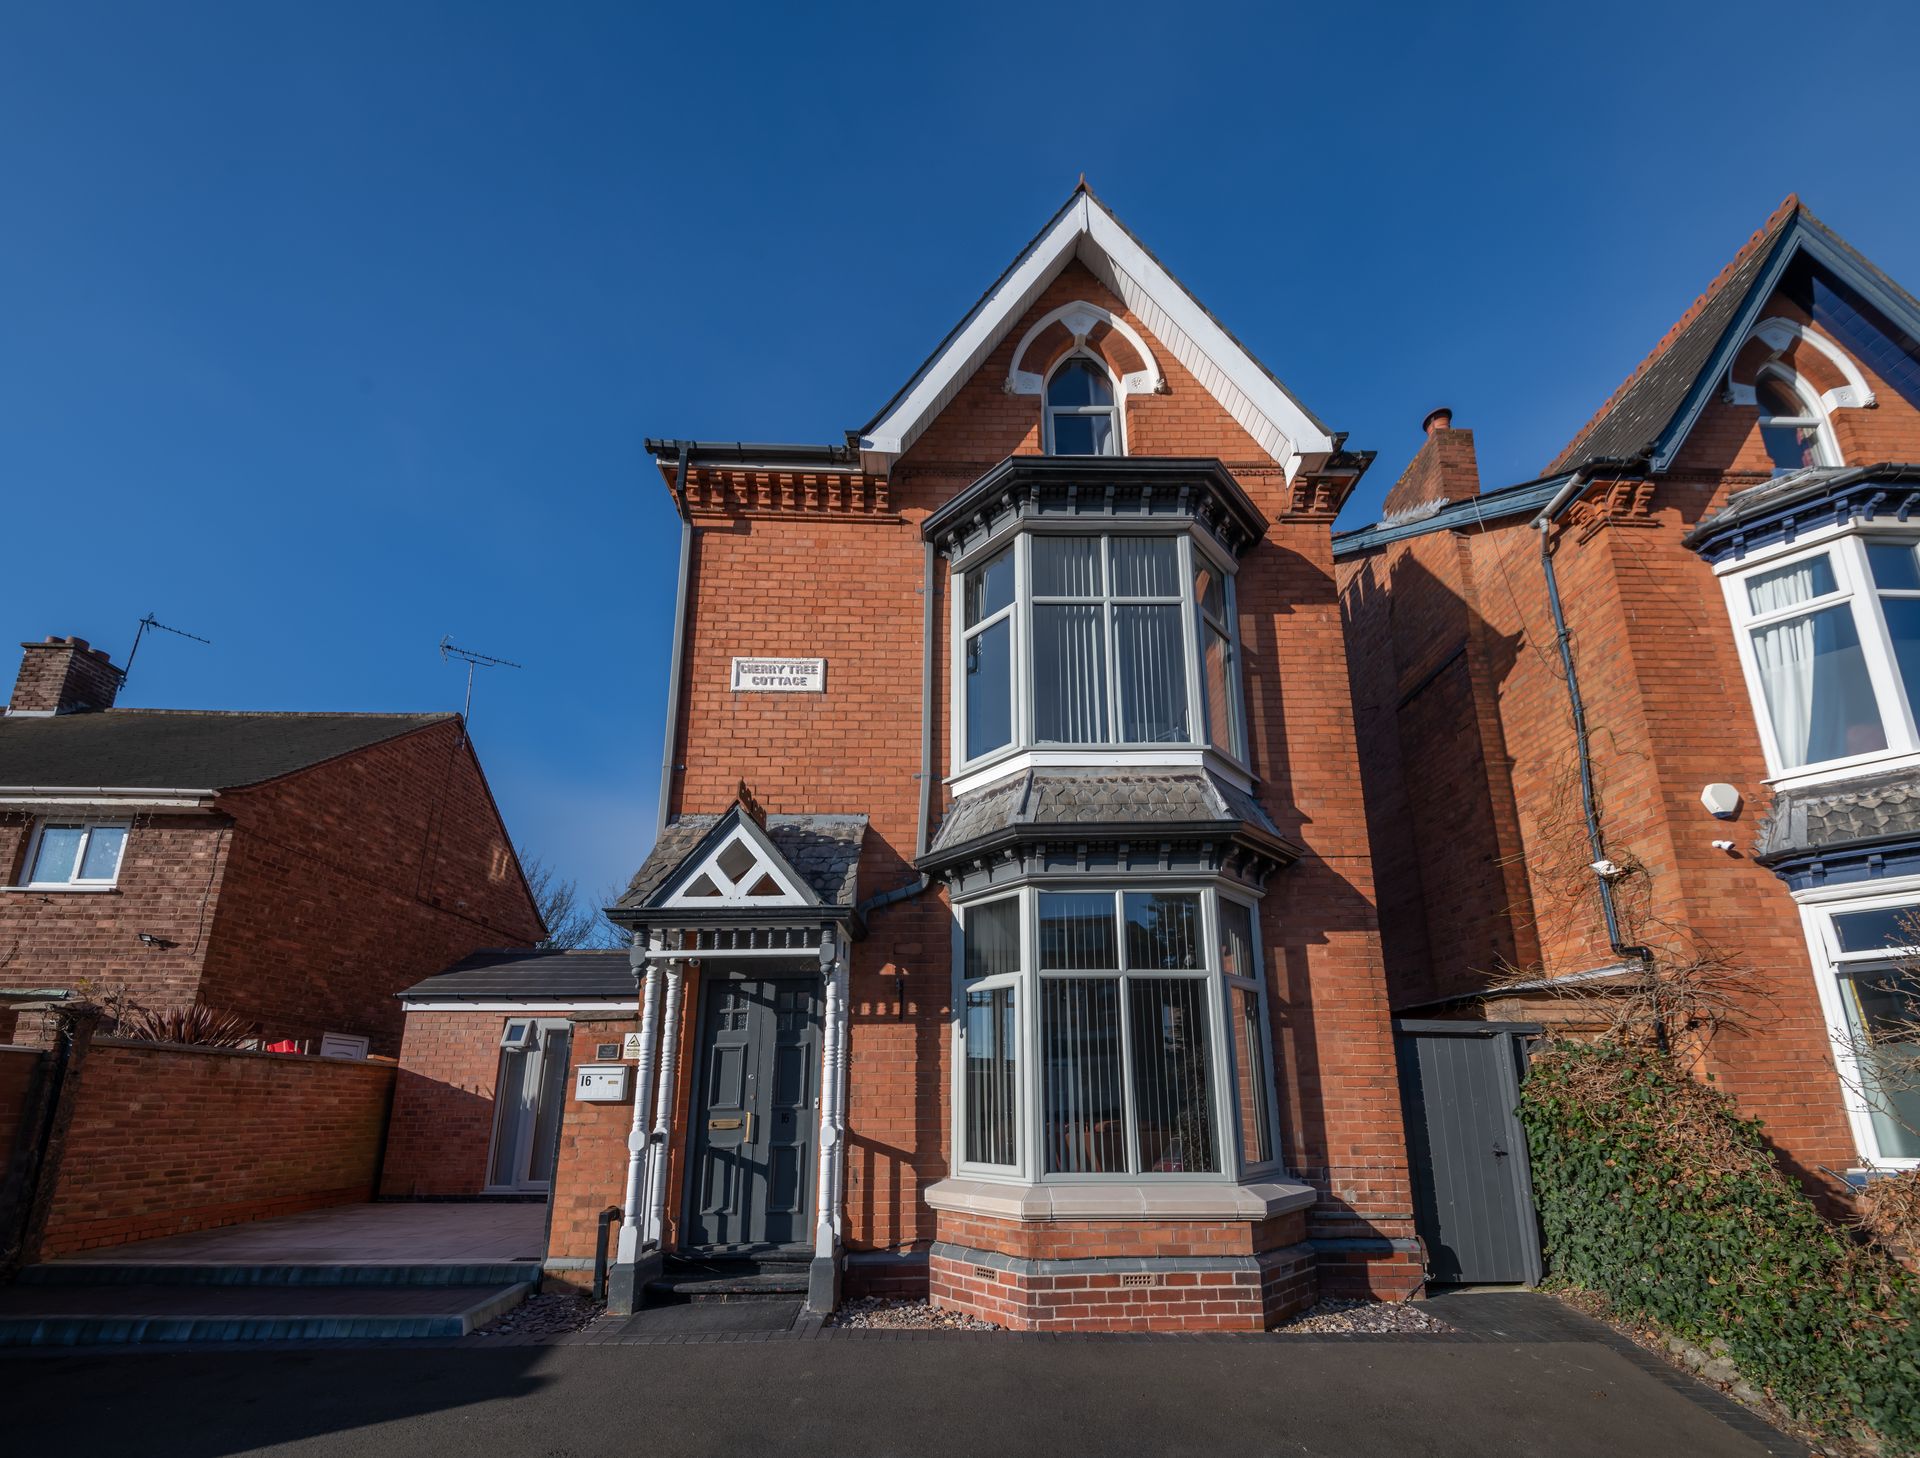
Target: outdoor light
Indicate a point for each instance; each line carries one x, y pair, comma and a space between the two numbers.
1608, 870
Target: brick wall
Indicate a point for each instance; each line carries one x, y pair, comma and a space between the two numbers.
591, 1172
17, 1068
355, 879
166, 1140
443, 1105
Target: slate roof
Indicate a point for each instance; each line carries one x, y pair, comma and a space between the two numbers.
1767, 496
1636, 413
1121, 798
823, 850
512, 973
175, 749
1853, 812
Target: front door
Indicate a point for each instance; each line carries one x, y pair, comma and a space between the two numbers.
756, 1113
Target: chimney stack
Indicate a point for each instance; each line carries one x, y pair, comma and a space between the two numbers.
63, 676
1445, 469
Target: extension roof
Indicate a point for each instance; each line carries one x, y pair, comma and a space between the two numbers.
1652, 411
171, 749
520, 975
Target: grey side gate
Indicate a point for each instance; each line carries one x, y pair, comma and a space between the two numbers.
1472, 1189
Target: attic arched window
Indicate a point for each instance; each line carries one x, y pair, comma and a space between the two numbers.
1081, 419
1793, 425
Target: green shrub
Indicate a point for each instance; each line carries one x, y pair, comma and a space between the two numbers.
1654, 1192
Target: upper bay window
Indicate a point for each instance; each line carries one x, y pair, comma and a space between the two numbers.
1112, 1033
1831, 643
1116, 639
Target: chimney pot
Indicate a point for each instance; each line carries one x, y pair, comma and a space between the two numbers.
1437, 420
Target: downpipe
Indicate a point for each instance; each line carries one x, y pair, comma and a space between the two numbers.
679, 655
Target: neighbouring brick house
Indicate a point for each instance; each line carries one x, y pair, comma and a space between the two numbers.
1010, 933
1733, 550
296, 869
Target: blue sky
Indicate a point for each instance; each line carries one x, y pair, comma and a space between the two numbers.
329, 329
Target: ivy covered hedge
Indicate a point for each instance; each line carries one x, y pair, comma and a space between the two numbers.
1654, 1192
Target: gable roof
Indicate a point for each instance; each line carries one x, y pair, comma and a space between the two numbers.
821, 852
172, 749
1652, 411
1086, 229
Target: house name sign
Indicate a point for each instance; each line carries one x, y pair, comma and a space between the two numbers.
779, 675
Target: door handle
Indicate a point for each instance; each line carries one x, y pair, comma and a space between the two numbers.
748, 1139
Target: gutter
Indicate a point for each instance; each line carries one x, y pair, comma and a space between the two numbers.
679, 633
919, 885
1596, 841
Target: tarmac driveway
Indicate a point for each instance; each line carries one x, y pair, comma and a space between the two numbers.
1517, 1385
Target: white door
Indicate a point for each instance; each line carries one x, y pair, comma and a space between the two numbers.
529, 1096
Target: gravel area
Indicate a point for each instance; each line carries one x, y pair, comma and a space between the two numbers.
1363, 1316
553, 1315
878, 1313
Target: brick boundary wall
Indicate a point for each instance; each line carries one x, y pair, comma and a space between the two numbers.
1123, 1275
17, 1067
167, 1139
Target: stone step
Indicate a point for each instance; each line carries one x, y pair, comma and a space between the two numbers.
83, 1272
126, 1314
781, 1285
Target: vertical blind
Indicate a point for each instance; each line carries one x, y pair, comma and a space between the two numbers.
1085, 1097
1172, 1075
992, 1077
993, 939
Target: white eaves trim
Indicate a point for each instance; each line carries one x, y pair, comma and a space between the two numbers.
1086, 230
524, 1006
103, 797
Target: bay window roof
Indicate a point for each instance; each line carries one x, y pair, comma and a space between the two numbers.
1044, 821
1176, 490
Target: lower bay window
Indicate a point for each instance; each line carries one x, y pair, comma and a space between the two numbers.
1112, 1033
1870, 988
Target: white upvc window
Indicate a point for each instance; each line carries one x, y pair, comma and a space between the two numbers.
1793, 423
1121, 639
74, 855
1112, 1034
1865, 954
1830, 641
1082, 416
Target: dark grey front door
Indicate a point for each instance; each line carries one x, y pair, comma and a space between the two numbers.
1472, 1191
757, 1113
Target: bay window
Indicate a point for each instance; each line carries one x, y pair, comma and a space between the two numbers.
1830, 640
1113, 639
1112, 1033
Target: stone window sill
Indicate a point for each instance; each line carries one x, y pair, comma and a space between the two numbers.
60, 890
1146, 1200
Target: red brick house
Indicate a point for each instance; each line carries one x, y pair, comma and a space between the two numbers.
296, 869
1010, 929
1729, 542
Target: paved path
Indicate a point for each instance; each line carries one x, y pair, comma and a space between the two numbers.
1522, 1377
398, 1232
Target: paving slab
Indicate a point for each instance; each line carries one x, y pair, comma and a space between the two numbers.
400, 1232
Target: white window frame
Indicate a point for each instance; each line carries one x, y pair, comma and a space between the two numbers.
1029, 1168
76, 882
1813, 414
1110, 750
1116, 411
1817, 911
1846, 548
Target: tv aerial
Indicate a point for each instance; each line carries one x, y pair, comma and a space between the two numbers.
150, 621
449, 650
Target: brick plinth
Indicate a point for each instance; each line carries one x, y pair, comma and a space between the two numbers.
1124, 1275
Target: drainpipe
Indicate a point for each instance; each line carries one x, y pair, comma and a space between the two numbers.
822, 1273
663, 1108
623, 1291
679, 638
917, 886
1596, 842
